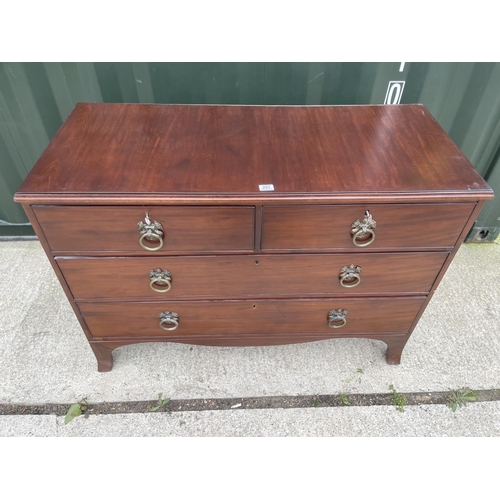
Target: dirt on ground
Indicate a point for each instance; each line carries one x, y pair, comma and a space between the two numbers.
268, 402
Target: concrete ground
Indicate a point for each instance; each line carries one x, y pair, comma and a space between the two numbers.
45, 358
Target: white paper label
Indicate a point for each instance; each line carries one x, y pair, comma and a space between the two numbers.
266, 187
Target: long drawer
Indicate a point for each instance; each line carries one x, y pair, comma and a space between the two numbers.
296, 227
247, 275
114, 229
229, 318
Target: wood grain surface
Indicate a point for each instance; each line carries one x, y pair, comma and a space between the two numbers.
246, 276
138, 149
269, 317
114, 229
329, 226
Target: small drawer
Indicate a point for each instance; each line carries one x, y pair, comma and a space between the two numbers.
163, 229
359, 227
161, 278
216, 319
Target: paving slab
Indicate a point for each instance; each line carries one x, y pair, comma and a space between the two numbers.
45, 356
29, 426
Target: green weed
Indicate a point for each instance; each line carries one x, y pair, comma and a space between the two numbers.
460, 397
398, 400
161, 403
75, 410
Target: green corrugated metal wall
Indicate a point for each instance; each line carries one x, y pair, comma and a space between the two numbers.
35, 98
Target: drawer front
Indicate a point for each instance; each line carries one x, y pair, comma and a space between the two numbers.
273, 317
330, 227
243, 275
114, 229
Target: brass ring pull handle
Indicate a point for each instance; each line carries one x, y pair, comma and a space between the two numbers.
349, 276
361, 234
336, 318
361, 229
151, 237
150, 231
169, 318
161, 281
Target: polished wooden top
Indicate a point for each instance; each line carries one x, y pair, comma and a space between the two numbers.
115, 151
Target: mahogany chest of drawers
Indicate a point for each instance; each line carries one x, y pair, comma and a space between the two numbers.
250, 225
